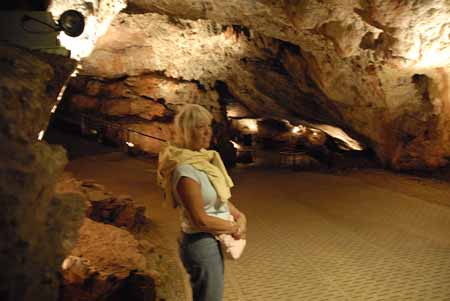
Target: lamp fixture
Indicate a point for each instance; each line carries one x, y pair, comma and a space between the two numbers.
71, 22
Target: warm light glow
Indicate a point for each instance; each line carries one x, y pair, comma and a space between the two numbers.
298, 129
64, 87
41, 135
61, 93
232, 113
66, 263
130, 144
248, 125
83, 45
236, 146
432, 57
431, 48
96, 25
339, 134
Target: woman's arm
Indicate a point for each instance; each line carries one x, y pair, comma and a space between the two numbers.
241, 220
191, 196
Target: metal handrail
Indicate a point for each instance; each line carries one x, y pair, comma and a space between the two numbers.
120, 127
107, 123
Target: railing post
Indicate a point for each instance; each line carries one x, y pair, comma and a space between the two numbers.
83, 127
125, 137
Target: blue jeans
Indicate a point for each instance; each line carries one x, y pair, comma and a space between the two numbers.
203, 260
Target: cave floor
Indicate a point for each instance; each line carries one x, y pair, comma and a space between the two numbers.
356, 235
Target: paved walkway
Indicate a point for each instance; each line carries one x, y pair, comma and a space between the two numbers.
366, 235
326, 237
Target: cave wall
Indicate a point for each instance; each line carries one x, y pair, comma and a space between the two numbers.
158, 65
38, 226
143, 103
379, 69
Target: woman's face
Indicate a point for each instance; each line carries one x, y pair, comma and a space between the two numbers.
201, 137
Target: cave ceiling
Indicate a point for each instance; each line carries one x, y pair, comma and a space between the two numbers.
377, 68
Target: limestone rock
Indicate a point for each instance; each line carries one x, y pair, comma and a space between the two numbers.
107, 261
104, 244
38, 227
146, 104
172, 91
166, 94
377, 69
148, 137
30, 84
101, 205
94, 195
119, 211
82, 103
144, 108
366, 90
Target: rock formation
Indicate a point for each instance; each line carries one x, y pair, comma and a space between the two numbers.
38, 227
377, 69
116, 256
104, 259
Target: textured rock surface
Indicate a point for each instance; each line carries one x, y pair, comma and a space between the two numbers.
379, 69
105, 263
119, 211
102, 206
38, 227
145, 104
119, 256
200, 51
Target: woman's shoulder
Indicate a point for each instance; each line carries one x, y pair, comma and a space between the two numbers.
185, 167
187, 170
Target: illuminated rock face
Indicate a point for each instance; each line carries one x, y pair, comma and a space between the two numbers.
379, 70
38, 226
103, 261
143, 104
110, 258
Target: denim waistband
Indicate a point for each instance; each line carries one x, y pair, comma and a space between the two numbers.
196, 236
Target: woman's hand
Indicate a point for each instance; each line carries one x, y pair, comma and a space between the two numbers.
242, 223
236, 230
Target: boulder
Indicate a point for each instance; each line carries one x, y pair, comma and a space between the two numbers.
107, 263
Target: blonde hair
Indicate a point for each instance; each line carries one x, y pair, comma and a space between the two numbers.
188, 118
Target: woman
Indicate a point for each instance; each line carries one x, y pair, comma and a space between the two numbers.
196, 180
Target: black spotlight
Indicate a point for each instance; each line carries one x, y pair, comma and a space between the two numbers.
72, 23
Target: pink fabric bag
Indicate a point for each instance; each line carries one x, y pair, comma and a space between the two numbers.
232, 248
